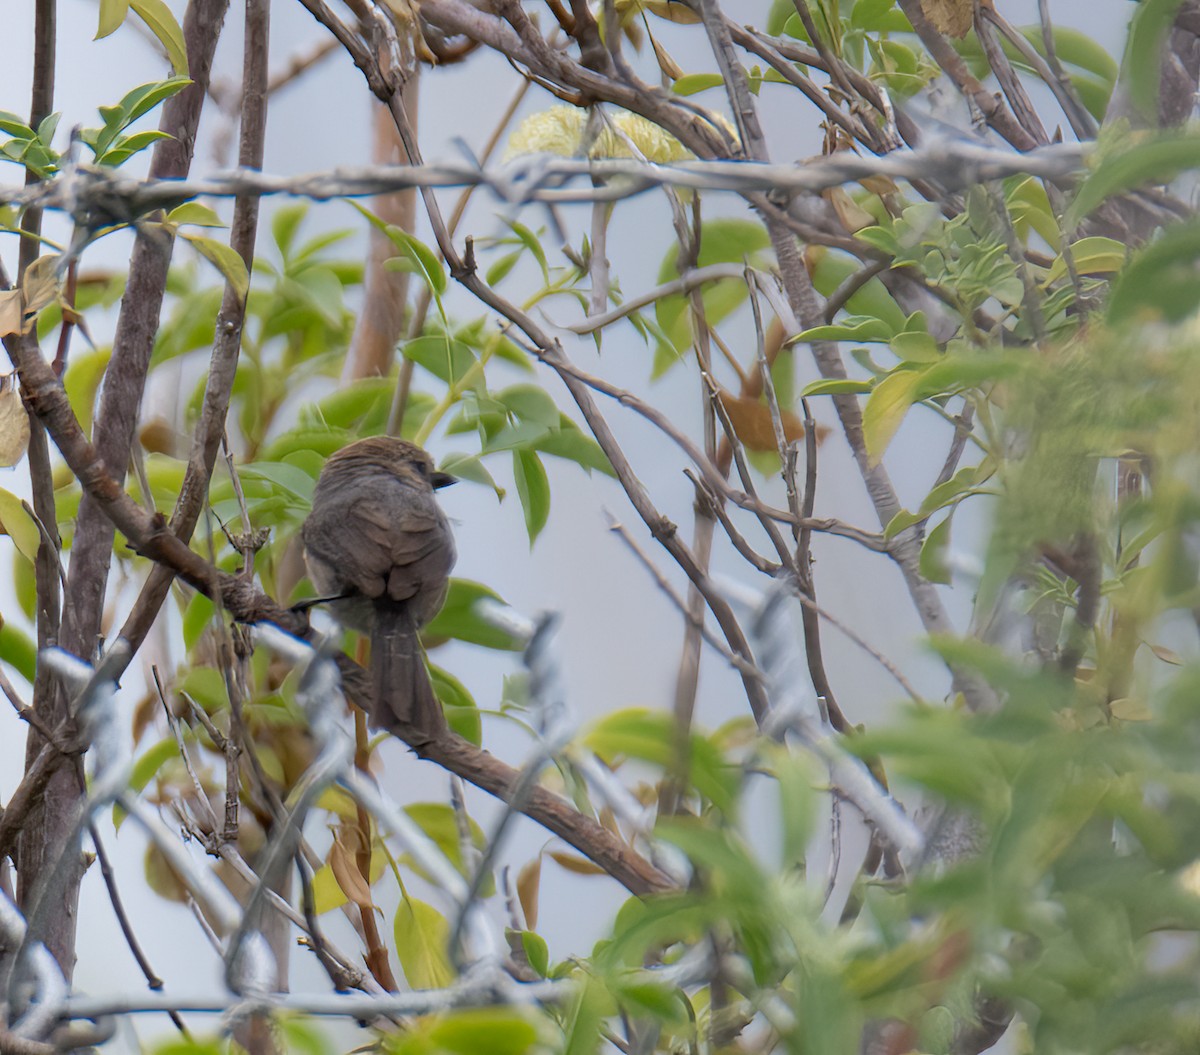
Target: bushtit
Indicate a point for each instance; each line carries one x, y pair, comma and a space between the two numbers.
379, 546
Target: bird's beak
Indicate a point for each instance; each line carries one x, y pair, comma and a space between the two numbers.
440, 479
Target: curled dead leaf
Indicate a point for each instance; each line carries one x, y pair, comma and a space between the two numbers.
10, 312
529, 881
39, 287
345, 870
14, 422
669, 67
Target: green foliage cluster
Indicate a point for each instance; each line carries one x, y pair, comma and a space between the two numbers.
1071, 367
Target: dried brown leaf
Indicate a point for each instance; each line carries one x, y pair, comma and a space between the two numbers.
850, 214
10, 312
345, 870
14, 422
952, 17
579, 865
669, 67
751, 420
39, 286
529, 883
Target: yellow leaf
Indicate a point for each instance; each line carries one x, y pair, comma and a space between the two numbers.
225, 260
422, 934
162, 24
112, 14
19, 524
1129, 709
1092, 256
886, 406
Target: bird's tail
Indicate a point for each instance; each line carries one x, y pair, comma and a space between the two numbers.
405, 703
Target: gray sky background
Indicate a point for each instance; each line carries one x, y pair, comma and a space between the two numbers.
621, 636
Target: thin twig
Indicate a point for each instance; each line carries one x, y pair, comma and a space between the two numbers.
663, 584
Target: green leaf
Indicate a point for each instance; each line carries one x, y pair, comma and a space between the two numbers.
570, 442
18, 650
862, 329
145, 97
225, 260
14, 126
440, 822
584, 1020
421, 934
871, 14
661, 1003
112, 14
915, 347
888, 403
145, 769
162, 24
462, 715
650, 736
900, 522
533, 488
722, 242
126, 146
194, 213
443, 356
530, 241
1077, 49
831, 268
933, 553
530, 403
537, 952
1147, 34
197, 617
284, 224
458, 618
205, 685
82, 381
961, 483
494, 1030
416, 256
692, 83
293, 480
469, 467
1092, 256
320, 287
497, 271
1155, 160
1160, 281
19, 524
836, 386
516, 437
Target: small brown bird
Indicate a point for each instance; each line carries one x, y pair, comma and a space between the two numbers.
379, 547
